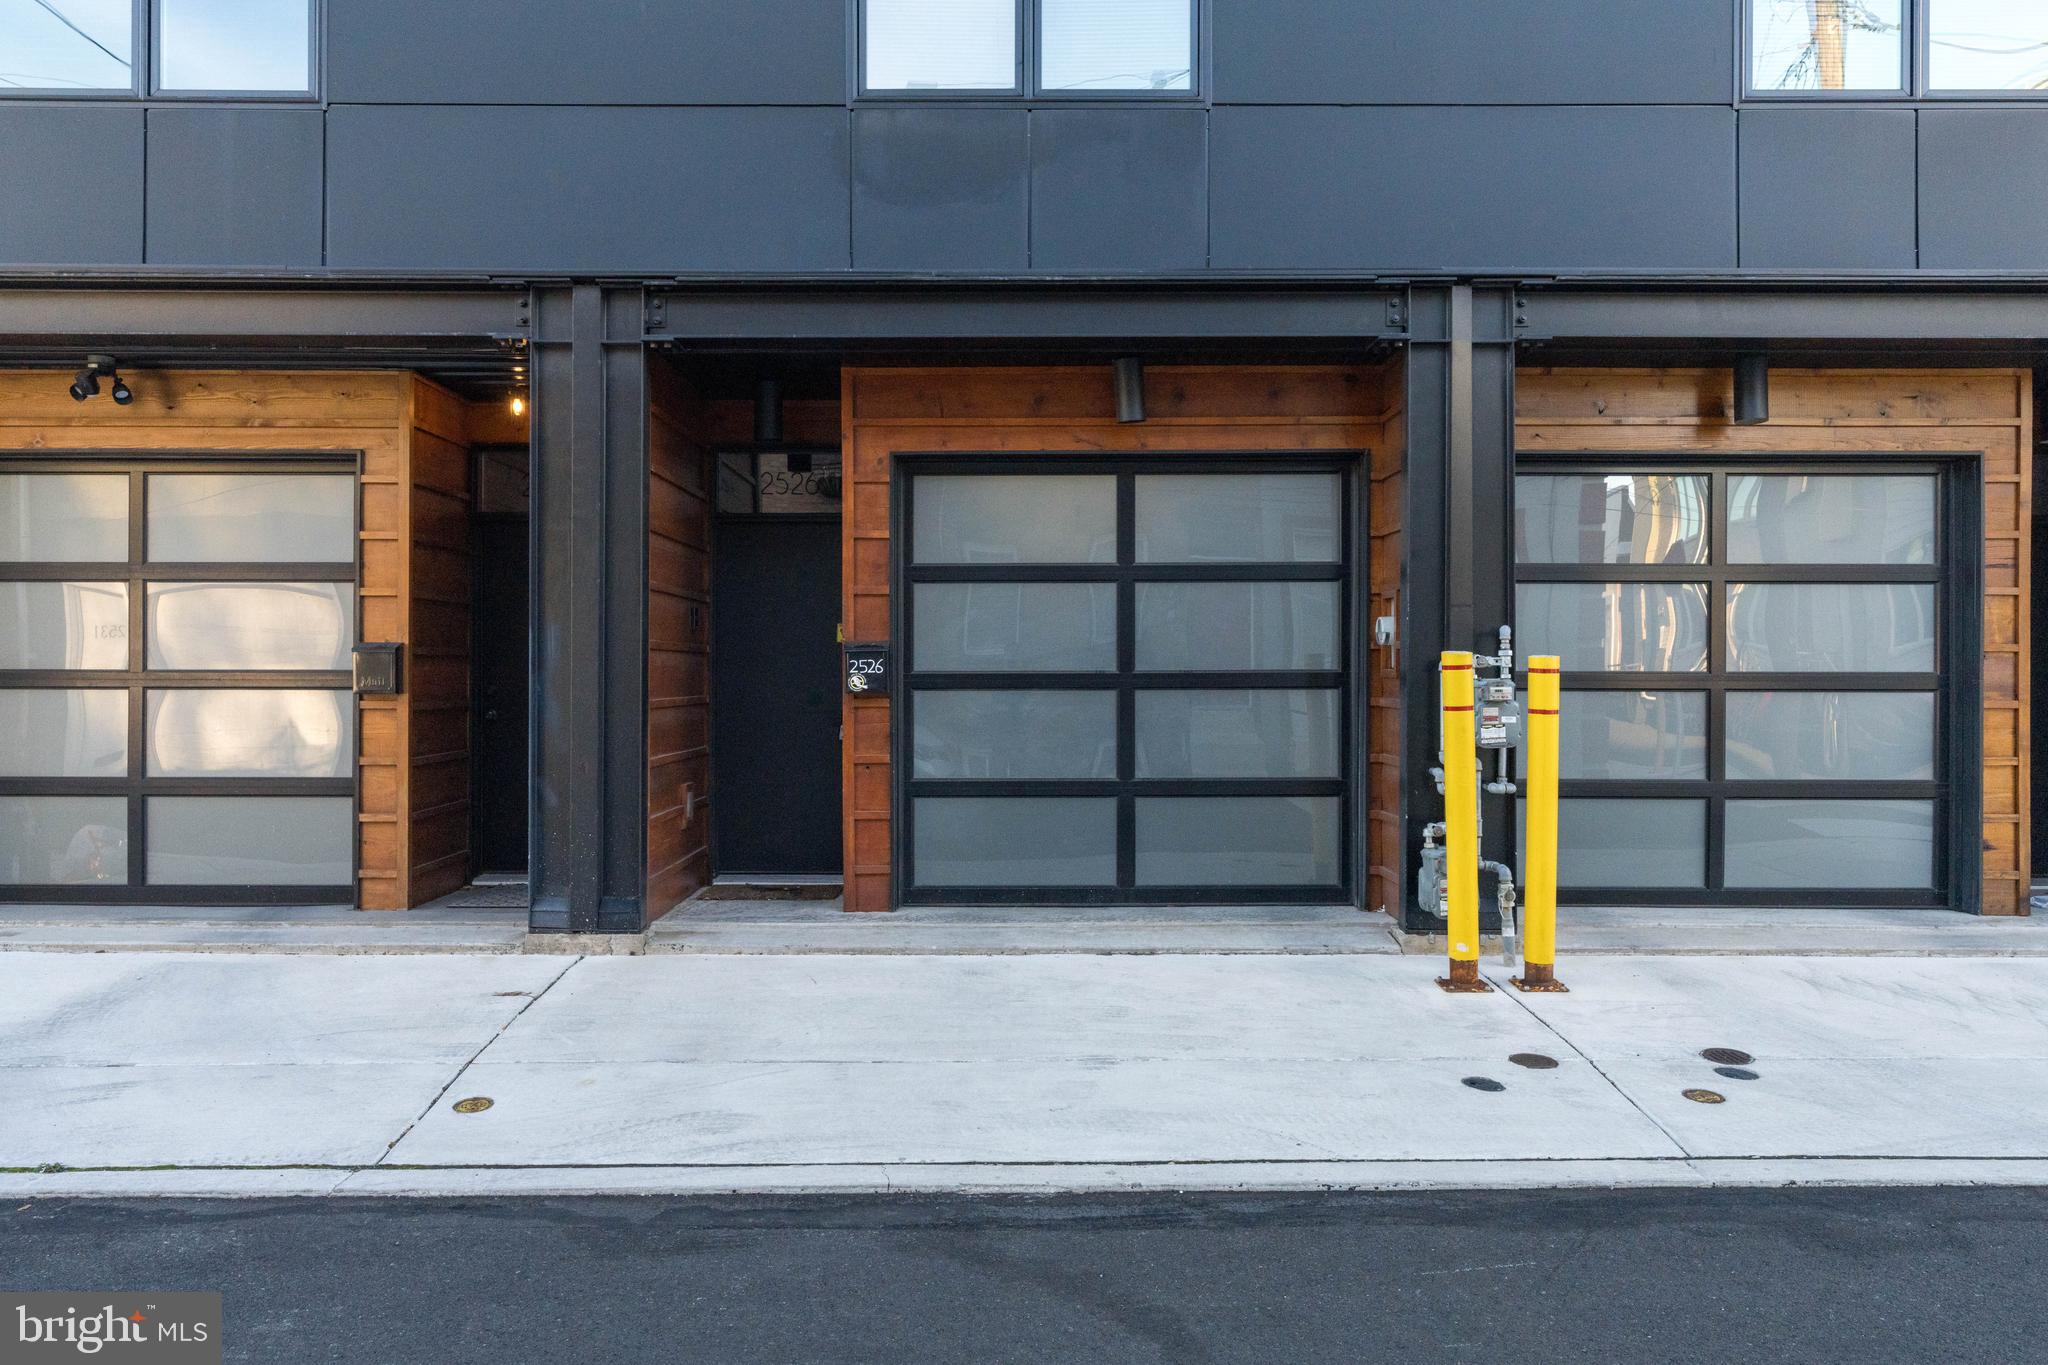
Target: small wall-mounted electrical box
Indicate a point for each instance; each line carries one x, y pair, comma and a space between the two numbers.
377, 670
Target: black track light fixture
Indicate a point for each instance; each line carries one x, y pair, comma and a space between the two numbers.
87, 383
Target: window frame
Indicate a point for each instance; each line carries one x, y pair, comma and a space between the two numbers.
1956, 786
145, 68
1916, 71
1028, 85
1126, 680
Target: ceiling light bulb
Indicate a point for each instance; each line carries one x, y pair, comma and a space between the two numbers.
518, 406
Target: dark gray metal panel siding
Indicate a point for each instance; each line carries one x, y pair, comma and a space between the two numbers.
1479, 189
587, 51
941, 189
235, 186
1119, 189
1474, 51
1828, 189
70, 185
1984, 189
580, 190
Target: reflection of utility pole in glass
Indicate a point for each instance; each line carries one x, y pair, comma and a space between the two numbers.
1829, 43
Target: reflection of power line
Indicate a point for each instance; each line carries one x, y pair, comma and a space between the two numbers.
1954, 46
60, 17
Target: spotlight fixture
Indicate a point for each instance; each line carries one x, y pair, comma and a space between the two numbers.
88, 381
518, 406
1752, 390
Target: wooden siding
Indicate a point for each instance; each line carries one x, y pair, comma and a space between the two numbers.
407, 437
1386, 842
1870, 412
679, 493
1190, 408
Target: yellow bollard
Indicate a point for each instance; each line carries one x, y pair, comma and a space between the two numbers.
1461, 822
1539, 852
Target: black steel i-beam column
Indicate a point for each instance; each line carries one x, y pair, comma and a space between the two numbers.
589, 499
1460, 571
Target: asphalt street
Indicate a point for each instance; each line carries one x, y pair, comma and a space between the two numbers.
1636, 1276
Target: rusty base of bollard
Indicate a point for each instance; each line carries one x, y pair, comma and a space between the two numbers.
1538, 978
1463, 980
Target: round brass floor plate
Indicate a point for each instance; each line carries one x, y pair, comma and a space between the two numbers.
476, 1104
1706, 1097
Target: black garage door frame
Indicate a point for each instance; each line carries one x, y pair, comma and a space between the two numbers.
1126, 788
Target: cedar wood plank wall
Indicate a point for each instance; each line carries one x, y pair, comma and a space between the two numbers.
679, 492
1386, 845
413, 830
1190, 408
685, 436
1854, 412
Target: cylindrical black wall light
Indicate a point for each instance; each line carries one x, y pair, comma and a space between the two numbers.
768, 413
1752, 390
1130, 389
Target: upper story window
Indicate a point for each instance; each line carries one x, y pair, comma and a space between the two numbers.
1874, 49
157, 47
1118, 48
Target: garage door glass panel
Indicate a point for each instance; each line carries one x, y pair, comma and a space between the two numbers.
63, 732
1822, 658
252, 626
1167, 721
1015, 841
250, 732
1240, 732
1831, 736
1014, 627
1611, 519
63, 518
63, 625
252, 518
1239, 518
1016, 734
1630, 736
1238, 841
1873, 845
238, 841
1831, 627
1630, 843
1831, 519
1616, 627
1012, 519
1237, 627
63, 840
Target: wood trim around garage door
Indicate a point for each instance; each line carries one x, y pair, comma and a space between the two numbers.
1191, 408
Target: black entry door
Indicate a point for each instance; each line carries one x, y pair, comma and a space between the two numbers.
775, 697
500, 663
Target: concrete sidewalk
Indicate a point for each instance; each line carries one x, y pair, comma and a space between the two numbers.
266, 1074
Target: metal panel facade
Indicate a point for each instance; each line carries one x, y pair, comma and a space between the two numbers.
1366, 136
1479, 189
1828, 189
582, 190
70, 185
235, 186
